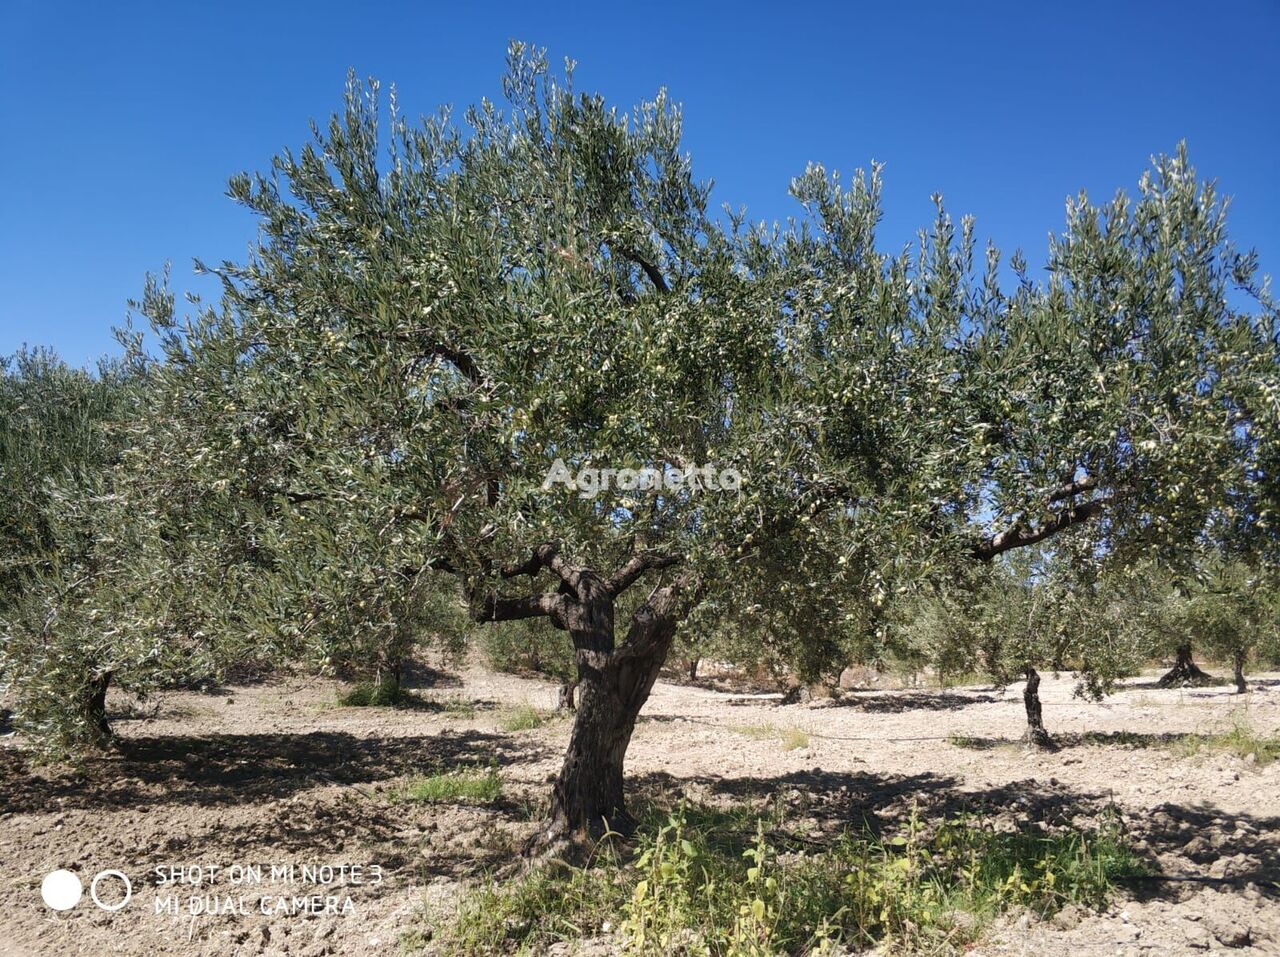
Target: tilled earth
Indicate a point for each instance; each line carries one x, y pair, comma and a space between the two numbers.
271, 775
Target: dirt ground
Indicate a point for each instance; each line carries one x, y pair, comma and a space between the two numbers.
274, 774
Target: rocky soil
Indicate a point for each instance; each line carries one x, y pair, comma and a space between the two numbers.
274, 774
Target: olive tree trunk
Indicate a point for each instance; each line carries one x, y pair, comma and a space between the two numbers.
613, 679
1238, 660
1184, 670
588, 797
94, 709
1036, 735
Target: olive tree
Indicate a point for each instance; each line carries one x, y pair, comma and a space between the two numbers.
1225, 605
1122, 402
60, 428
518, 352
1027, 611
424, 335
61, 432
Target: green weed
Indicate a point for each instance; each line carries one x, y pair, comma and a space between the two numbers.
384, 694
468, 786
729, 884
791, 739
524, 718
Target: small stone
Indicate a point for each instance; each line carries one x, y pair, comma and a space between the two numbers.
1067, 918
1196, 936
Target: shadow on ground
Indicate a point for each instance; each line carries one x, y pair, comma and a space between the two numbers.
236, 777
883, 702
1187, 846
232, 769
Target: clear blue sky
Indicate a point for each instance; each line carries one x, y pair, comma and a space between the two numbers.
120, 122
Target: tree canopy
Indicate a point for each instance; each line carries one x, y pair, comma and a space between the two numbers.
439, 316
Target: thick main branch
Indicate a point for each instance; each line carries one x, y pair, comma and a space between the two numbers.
497, 608
1020, 536
636, 566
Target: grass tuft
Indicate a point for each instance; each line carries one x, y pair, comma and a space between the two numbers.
456, 707
791, 739
524, 718
472, 786
383, 694
1242, 740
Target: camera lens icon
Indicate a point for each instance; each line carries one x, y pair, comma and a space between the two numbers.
62, 890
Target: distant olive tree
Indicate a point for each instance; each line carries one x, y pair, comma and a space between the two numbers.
62, 431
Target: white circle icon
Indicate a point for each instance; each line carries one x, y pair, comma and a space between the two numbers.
93, 889
61, 890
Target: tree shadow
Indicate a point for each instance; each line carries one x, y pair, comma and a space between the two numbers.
1104, 739
894, 702
1186, 846
1153, 684
235, 769
420, 675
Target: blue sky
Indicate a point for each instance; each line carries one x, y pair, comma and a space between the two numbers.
120, 122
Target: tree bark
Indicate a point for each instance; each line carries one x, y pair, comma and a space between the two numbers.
1184, 670
565, 699
1036, 735
588, 798
1238, 661
95, 710
613, 681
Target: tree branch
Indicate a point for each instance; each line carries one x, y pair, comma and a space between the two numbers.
547, 555
655, 275
636, 566
1072, 489
496, 608
1019, 537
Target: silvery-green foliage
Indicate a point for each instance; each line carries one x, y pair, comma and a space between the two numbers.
436, 311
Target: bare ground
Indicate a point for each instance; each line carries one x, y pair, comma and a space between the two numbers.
274, 774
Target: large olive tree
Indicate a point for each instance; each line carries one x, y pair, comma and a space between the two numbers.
424, 332
437, 325
1123, 399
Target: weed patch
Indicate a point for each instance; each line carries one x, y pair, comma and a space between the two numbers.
524, 718
470, 786
704, 881
791, 739
383, 694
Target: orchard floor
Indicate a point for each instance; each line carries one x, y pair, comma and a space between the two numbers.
275, 774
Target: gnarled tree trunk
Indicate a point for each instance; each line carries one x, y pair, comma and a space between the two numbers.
1036, 735
1184, 670
94, 703
1238, 661
613, 680
588, 797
